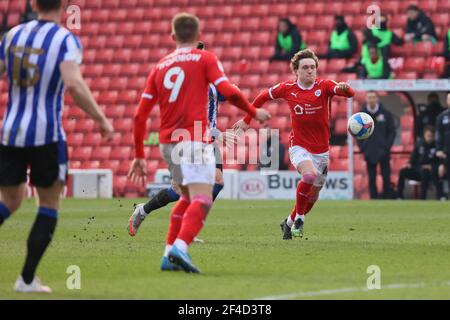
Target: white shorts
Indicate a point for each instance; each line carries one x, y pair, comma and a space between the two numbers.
320, 161
190, 162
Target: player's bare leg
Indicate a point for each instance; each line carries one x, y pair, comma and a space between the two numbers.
10, 200
194, 217
41, 234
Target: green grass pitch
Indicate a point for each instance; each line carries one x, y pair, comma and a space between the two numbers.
243, 256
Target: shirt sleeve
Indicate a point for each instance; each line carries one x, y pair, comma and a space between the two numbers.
330, 87
277, 91
72, 50
214, 70
148, 100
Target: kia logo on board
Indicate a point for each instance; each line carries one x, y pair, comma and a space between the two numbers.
252, 187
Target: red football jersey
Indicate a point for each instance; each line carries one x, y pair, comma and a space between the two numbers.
310, 112
179, 83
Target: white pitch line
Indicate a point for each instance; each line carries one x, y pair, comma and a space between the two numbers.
347, 290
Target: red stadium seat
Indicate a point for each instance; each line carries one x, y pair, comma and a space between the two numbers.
241, 39
307, 23
250, 24
251, 53
261, 38
268, 23
108, 98
81, 153
406, 75
214, 25
75, 139
352, 8
429, 6
423, 49
110, 4
101, 153
414, 64
338, 164
259, 67
340, 126
123, 125
332, 8
121, 153
120, 15
119, 84
92, 139
336, 65
221, 39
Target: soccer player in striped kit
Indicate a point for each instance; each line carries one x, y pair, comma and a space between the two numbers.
41, 60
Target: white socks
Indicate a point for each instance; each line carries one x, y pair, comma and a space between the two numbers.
167, 249
181, 245
289, 222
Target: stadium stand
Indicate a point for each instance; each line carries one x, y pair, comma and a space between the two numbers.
123, 39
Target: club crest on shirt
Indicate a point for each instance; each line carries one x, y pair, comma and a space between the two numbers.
380, 118
318, 93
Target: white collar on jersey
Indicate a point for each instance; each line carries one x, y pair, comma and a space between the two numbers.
303, 88
184, 49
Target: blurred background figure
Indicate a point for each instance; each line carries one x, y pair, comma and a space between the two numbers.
447, 54
375, 66
419, 26
377, 148
422, 166
428, 113
443, 140
288, 42
383, 37
29, 14
343, 42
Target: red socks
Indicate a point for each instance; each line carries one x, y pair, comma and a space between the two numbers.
303, 191
194, 218
176, 219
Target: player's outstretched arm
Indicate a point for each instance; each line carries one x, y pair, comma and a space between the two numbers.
259, 101
235, 97
75, 84
137, 173
343, 89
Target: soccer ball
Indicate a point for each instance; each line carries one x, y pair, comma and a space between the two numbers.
360, 125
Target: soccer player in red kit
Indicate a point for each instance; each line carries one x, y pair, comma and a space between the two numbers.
179, 83
309, 100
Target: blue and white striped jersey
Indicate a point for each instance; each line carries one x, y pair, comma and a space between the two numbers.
213, 107
32, 53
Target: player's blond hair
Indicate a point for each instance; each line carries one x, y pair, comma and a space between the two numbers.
185, 27
303, 54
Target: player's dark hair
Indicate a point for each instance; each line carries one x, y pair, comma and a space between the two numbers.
49, 5
201, 45
303, 54
185, 27
428, 128
413, 7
